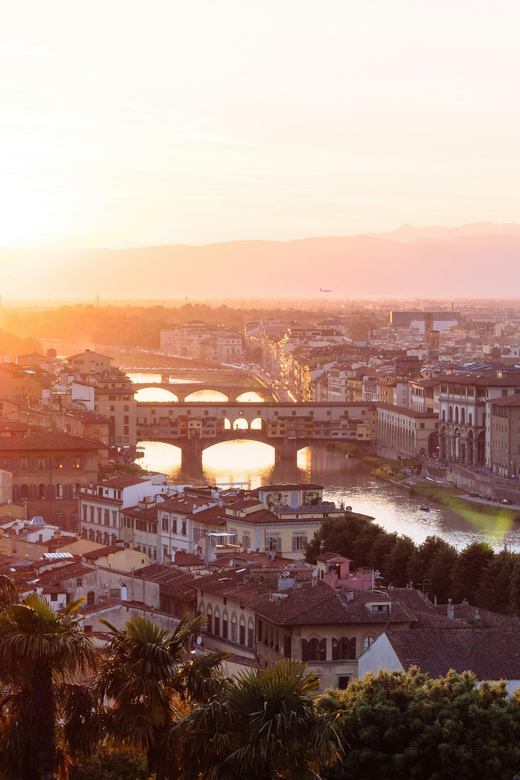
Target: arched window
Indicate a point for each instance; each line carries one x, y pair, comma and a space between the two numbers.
59, 491
367, 642
33, 492
91, 597
314, 650
68, 491
450, 414
41, 491
344, 649
91, 534
24, 492
456, 414
463, 415
16, 492
105, 539
209, 618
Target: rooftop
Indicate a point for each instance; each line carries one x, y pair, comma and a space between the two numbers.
491, 654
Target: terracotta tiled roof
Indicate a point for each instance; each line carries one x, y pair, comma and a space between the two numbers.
183, 558
119, 483
172, 581
466, 612
150, 513
491, 654
319, 605
40, 439
185, 504
100, 552
262, 517
214, 515
508, 400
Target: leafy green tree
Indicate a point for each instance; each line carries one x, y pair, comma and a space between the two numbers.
397, 562
263, 725
397, 725
40, 651
468, 570
495, 584
147, 673
513, 606
440, 572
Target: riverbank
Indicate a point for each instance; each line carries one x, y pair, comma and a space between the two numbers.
451, 498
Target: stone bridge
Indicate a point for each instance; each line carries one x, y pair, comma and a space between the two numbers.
182, 390
285, 426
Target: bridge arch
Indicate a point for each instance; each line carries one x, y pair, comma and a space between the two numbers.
252, 396
155, 394
202, 396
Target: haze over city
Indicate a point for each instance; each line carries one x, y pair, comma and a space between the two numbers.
260, 390
208, 122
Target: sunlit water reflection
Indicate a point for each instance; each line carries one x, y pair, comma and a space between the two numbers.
346, 481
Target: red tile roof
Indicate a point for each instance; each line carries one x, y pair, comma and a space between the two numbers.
491, 654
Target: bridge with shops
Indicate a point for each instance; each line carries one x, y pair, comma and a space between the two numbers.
286, 426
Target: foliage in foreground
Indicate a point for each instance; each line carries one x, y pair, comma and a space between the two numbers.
116, 764
263, 725
397, 725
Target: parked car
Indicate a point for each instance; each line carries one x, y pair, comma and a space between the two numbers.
505, 501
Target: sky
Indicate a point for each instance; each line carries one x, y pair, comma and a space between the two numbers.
146, 123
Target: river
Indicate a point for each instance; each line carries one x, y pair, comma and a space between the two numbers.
346, 481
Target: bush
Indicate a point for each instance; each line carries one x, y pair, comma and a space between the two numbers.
108, 764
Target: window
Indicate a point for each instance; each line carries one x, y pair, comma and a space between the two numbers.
299, 543
343, 681
344, 649
250, 636
183, 532
233, 632
216, 629
165, 523
242, 635
209, 625
224, 628
314, 650
367, 642
259, 630
287, 646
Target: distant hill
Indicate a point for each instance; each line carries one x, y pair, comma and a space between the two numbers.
438, 263
407, 233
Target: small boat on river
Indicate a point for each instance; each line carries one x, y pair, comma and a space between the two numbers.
424, 507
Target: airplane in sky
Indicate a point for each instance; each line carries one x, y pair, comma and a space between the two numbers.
325, 290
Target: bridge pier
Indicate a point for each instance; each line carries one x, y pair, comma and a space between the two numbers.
191, 456
286, 452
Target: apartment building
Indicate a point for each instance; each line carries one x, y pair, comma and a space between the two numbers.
101, 504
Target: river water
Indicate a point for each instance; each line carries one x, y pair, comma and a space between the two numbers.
346, 481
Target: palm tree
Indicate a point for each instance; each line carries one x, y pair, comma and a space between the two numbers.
146, 675
40, 650
262, 725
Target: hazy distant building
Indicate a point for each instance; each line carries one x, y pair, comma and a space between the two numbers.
425, 321
199, 341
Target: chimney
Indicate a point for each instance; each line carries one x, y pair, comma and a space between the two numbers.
451, 610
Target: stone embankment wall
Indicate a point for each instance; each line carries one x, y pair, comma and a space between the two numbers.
474, 481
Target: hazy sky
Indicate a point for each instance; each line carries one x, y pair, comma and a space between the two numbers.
135, 123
